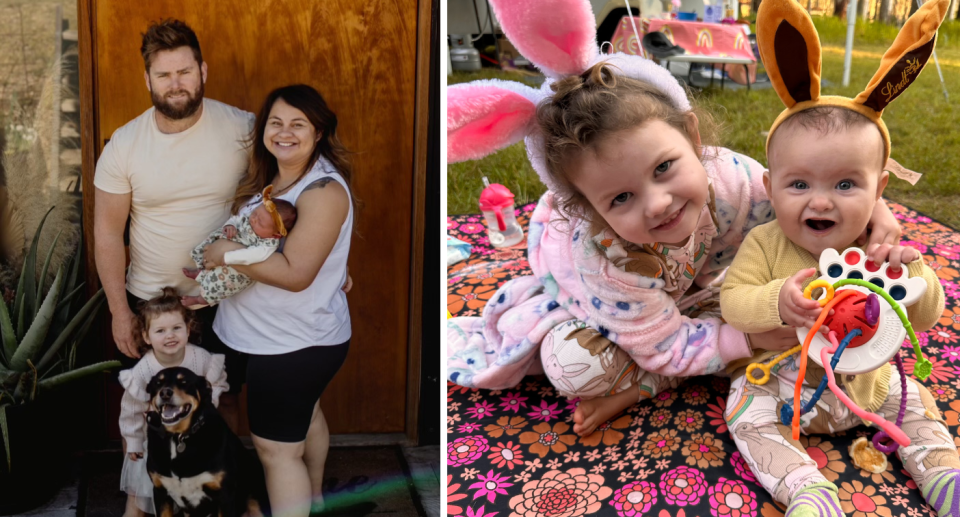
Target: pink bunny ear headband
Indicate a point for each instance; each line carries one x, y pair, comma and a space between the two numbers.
559, 37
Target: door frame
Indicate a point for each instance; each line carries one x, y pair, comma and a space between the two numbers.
89, 149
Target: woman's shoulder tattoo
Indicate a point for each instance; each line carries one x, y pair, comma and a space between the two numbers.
320, 183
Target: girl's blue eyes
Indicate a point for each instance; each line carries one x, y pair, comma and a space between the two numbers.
621, 198
845, 185
800, 185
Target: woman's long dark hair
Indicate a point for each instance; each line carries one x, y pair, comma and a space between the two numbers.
263, 165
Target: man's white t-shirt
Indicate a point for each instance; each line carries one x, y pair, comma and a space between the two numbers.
182, 188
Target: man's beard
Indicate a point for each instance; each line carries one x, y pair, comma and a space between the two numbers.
174, 113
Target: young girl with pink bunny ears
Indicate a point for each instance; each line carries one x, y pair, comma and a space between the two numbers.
630, 244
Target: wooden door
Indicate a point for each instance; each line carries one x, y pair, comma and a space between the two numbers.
362, 56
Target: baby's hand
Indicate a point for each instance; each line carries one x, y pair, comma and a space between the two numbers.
134, 456
230, 231
780, 339
895, 255
795, 310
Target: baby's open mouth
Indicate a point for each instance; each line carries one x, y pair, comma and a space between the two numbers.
819, 224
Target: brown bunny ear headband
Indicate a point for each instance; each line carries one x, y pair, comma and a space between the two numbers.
790, 50
272, 209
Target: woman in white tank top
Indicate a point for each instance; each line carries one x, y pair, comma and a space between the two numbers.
293, 322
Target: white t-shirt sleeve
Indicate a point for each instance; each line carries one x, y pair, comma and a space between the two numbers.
111, 175
247, 256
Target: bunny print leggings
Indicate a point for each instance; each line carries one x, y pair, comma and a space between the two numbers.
782, 464
580, 362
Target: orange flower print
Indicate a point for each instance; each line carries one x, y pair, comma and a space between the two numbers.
774, 509
487, 277
695, 395
703, 451
952, 415
661, 443
830, 461
688, 420
607, 432
942, 392
660, 418
859, 500
471, 296
919, 232
506, 424
664, 398
941, 265
571, 494
544, 439
951, 317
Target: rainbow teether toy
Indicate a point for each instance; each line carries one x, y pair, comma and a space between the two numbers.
869, 314
880, 342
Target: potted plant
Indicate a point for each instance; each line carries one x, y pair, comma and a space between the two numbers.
40, 329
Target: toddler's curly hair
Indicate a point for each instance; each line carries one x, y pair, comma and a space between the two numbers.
167, 301
587, 108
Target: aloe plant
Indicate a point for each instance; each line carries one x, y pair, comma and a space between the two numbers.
41, 330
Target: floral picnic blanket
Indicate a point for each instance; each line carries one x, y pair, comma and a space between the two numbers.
513, 453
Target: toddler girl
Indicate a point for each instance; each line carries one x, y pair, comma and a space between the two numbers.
629, 246
165, 326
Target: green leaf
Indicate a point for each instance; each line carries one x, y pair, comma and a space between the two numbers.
33, 340
9, 336
26, 306
75, 262
46, 265
5, 433
64, 312
26, 388
86, 313
65, 301
6, 376
79, 373
18, 306
54, 365
72, 356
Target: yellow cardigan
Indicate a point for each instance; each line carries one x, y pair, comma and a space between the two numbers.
749, 301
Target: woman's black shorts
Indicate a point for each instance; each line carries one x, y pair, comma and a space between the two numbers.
283, 389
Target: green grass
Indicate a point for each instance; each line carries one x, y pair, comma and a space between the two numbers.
508, 167
833, 31
923, 129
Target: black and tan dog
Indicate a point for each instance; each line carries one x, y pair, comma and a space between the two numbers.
197, 465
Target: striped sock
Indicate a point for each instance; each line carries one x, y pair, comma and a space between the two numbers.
817, 500
942, 493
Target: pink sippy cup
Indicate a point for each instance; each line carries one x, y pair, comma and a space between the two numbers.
496, 203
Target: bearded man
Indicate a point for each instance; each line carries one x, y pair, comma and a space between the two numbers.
173, 171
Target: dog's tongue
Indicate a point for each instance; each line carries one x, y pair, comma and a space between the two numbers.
170, 411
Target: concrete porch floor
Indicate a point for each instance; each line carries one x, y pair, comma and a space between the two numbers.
424, 463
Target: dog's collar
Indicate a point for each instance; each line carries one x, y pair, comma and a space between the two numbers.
190, 432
